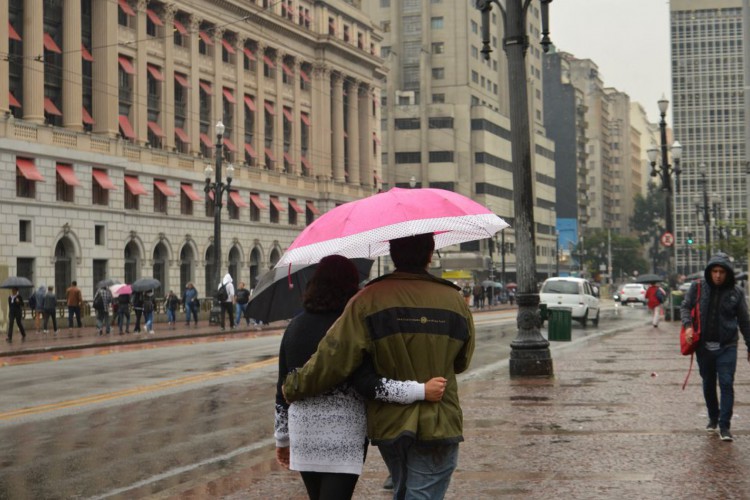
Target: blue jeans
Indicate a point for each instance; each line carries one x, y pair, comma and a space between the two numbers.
170, 315
239, 313
418, 471
718, 365
148, 320
123, 313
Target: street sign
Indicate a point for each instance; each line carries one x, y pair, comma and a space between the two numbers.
667, 239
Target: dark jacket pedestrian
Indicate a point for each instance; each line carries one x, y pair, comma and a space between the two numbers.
102, 312
191, 302
123, 312
723, 311
15, 314
137, 301
50, 308
414, 326
171, 304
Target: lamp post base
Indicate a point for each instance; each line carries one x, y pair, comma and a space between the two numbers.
530, 355
214, 316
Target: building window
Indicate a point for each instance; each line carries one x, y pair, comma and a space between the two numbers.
25, 187
100, 186
441, 122
438, 48
131, 200
474, 27
409, 157
160, 201
438, 73
441, 156
232, 209
474, 52
274, 217
292, 212
24, 230
254, 208
99, 235
186, 199
406, 123
436, 23
65, 187
438, 98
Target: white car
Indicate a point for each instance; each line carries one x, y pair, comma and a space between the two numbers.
633, 292
575, 293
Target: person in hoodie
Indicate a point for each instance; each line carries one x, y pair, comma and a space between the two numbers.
723, 310
39, 307
227, 303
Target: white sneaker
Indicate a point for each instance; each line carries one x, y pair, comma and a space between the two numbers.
150, 332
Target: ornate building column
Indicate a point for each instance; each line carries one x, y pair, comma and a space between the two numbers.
72, 84
33, 55
260, 106
193, 113
320, 129
278, 127
239, 94
104, 69
296, 147
4, 66
337, 127
167, 102
365, 136
140, 94
218, 104
353, 132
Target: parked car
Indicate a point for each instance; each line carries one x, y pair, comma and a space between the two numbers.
575, 293
633, 292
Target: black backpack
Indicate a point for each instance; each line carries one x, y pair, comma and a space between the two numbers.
222, 294
98, 301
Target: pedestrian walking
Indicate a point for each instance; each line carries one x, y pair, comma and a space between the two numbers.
241, 299
654, 298
38, 307
50, 309
15, 315
477, 292
466, 292
324, 437
148, 311
413, 325
74, 300
171, 303
102, 304
123, 312
191, 303
723, 310
225, 295
137, 301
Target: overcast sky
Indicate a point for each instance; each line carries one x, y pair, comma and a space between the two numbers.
627, 39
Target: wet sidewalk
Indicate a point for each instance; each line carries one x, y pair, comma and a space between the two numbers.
613, 423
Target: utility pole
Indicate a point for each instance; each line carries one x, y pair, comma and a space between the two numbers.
530, 354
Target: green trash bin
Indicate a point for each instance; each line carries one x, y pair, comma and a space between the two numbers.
672, 306
560, 319
543, 313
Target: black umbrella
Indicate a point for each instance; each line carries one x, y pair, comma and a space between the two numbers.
272, 299
108, 282
145, 284
649, 278
16, 282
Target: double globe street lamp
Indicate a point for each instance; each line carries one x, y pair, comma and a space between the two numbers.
215, 189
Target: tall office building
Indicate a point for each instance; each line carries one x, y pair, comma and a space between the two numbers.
445, 117
709, 121
107, 122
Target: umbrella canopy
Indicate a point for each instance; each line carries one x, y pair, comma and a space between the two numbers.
362, 228
108, 282
145, 284
16, 282
649, 278
488, 283
694, 276
118, 290
272, 298
511, 285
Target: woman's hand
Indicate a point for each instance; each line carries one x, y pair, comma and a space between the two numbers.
434, 389
689, 335
282, 457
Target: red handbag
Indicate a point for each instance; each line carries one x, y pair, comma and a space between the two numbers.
689, 348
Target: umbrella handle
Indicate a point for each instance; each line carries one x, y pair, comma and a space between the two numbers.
289, 277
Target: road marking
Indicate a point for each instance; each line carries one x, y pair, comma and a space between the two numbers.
135, 391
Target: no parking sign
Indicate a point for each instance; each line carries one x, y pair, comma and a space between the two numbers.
667, 239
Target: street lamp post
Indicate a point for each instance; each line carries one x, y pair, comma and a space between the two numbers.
665, 171
530, 354
706, 212
217, 187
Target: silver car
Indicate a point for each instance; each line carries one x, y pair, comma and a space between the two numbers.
575, 293
633, 292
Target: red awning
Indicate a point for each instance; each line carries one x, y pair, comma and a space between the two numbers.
206, 140
126, 128
155, 72
85, 54
180, 27
250, 150
67, 174
268, 61
250, 103
230, 145
28, 169
311, 207
126, 65
255, 198
12, 33
228, 46
228, 95
288, 114
49, 44
376, 138
50, 108
286, 69
13, 102
237, 199
295, 206
305, 118
269, 153
190, 192
181, 135
306, 163
126, 8
288, 158
154, 17
276, 203
182, 80
87, 120
304, 76
134, 186
206, 87
101, 178
155, 129
205, 37
249, 53
270, 108
162, 186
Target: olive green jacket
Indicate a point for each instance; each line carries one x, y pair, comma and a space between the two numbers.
415, 327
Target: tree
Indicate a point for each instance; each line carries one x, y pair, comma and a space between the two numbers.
626, 254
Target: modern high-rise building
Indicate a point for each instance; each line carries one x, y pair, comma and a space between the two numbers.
708, 92
445, 118
107, 115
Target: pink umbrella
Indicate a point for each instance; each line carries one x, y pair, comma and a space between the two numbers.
120, 289
362, 228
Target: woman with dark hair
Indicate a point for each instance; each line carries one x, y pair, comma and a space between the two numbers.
324, 437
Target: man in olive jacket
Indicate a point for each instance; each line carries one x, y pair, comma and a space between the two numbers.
415, 327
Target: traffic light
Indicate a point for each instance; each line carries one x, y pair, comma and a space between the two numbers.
690, 239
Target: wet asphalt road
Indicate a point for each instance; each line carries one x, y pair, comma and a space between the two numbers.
151, 423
